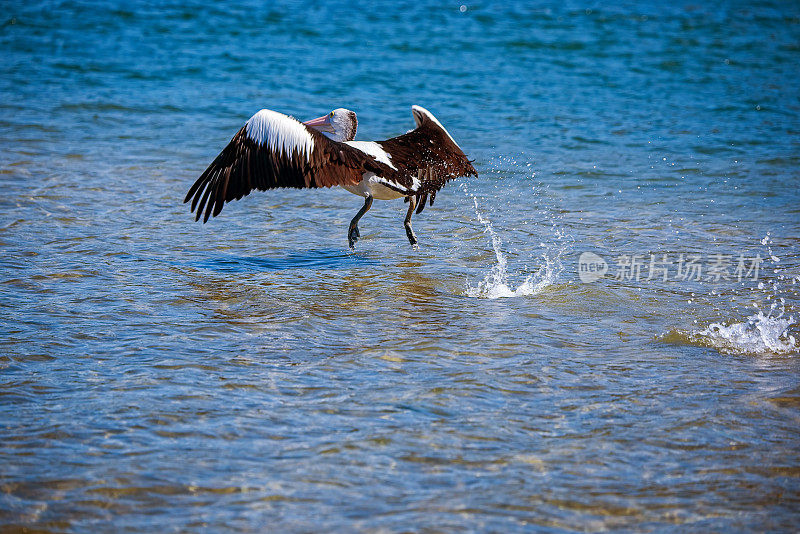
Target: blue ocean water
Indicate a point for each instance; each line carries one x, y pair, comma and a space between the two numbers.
252, 373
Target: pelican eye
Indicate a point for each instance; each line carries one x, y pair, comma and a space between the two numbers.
331, 114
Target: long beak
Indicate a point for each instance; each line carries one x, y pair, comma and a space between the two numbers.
323, 124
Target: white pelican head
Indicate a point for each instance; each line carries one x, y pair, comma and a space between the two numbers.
340, 124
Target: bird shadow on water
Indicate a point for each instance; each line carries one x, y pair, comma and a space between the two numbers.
309, 259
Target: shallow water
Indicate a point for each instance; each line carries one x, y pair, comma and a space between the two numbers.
158, 374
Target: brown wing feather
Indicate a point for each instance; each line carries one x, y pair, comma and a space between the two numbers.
245, 165
430, 155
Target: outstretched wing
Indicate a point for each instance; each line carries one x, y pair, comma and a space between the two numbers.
427, 157
274, 150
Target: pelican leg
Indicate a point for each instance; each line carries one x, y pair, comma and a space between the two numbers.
412, 202
353, 234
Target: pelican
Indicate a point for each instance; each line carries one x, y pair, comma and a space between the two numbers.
273, 150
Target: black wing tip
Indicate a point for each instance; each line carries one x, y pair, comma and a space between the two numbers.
200, 205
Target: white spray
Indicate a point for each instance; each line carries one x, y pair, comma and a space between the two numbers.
495, 283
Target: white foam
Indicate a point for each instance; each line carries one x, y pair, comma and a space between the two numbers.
760, 334
496, 283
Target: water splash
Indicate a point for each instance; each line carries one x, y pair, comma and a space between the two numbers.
759, 334
496, 283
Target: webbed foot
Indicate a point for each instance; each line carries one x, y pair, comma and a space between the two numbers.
412, 238
352, 236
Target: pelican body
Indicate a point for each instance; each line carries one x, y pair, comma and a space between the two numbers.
273, 150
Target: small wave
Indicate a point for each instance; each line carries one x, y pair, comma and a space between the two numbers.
759, 334
762, 333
